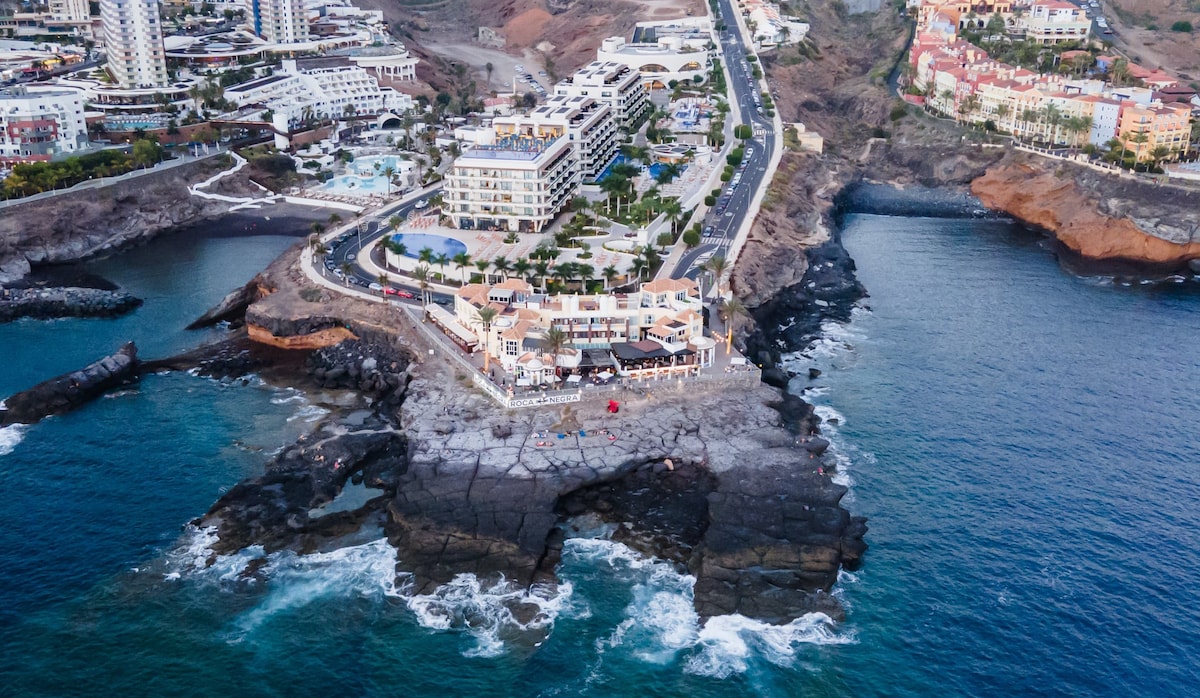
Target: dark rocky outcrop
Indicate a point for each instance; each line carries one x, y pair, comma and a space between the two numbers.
71, 390
50, 303
276, 510
232, 307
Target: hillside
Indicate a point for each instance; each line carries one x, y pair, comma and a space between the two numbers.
1144, 30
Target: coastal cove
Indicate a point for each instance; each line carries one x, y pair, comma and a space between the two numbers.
994, 551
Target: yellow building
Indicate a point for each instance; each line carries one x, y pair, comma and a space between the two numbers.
1164, 125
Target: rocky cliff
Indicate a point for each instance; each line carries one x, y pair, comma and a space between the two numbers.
75, 225
1100, 216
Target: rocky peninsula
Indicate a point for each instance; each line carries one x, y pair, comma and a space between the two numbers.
71, 390
730, 482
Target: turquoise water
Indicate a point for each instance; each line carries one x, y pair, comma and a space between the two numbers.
1022, 441
354, 184
440, 244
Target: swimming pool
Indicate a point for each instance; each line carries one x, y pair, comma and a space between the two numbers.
440, 244
355, 185
367, 164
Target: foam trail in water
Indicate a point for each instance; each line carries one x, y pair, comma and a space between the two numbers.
298, 580
486, 610
661, 622
728, 644
10, 436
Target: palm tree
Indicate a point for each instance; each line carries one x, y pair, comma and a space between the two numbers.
421, 274
614, 186
482, 265
382, 279
521, 268
442, 259
461, 260
541, 269
586, 273
486, 314
395, 222
733, 310
501, 265
675, 212
1002, 113
345, 267
388, 173
317, 227
334, 219
555, 340
610, 274
637, 266
425, 255
716, 265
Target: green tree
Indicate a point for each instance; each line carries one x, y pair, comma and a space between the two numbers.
461, 261
555, 341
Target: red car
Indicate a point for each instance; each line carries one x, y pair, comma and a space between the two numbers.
398, 292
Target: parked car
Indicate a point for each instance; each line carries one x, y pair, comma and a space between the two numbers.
709, 230
422, 203
376, 286
398, 292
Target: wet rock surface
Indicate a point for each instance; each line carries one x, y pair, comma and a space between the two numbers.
50, 303
71, 390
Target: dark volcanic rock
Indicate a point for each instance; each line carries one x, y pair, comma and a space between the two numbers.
70, 390
274, 510
792, 318
232, 307
49, 303
770, 539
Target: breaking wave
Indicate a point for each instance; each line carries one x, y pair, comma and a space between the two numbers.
660, 625
10, 436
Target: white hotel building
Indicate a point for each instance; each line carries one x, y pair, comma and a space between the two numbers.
38, 124
133, 43
321, 89
615, 84
668, 59
518, 180
525, 169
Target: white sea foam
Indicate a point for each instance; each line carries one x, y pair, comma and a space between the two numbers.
10, 436
661, 622
485, 611
299, 580
728, 644
309, 414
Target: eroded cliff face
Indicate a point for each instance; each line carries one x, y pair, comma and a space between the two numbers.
80, 224
1101, 217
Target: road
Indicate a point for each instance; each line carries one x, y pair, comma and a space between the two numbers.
723, 220
371, 227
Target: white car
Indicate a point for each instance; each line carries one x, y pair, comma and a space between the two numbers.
376, 287
422, 203
520, 68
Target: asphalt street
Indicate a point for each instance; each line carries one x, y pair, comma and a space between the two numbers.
723, 220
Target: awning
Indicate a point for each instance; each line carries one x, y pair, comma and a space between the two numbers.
445, 320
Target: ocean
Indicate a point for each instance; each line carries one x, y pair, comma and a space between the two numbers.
1021, 440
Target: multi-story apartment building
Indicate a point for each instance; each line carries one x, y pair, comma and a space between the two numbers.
1054, 21
1163, 125
615, 84
518, 180
590, 127
70, 10
38, 124
320, 88
658, 328
279, 21
133, 43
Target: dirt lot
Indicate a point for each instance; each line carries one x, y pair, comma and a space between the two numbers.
1143, 30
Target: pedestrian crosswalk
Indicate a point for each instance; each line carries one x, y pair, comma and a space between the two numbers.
712, 240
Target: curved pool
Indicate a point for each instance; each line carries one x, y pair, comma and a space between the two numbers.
440, 244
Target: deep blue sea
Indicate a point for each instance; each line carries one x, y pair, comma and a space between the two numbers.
1023, 442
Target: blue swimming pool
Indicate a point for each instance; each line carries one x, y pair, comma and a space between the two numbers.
440, 244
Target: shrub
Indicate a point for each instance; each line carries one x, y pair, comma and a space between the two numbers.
691, 238
1182, 26
710, 201
898, 112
